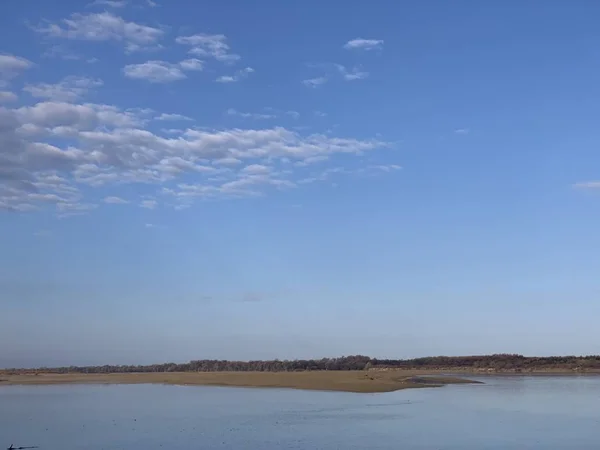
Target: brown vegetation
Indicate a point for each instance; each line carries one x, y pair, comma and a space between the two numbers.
491, 363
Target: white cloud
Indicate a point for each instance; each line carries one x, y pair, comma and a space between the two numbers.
352, 74
246, 115
57, 153
320, 114
62, 119
68, 209
173, 117
8, 97
385, 167
364, 44
68, 90
161, 71
115, 200
256, 169
239, 75
191, 64
209, 46
587, 185
227, 161
154, 72
462, 131
11, 66
149, 204
314, 82
109, 3
103, 26
61, 52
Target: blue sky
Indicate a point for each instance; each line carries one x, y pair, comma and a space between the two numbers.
243, 180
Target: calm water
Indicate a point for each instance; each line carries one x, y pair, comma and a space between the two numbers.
505, 413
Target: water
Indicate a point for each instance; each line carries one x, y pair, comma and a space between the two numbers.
505, 413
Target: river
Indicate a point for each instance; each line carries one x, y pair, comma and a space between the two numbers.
511, 412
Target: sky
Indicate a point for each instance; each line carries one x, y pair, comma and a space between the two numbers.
242, 180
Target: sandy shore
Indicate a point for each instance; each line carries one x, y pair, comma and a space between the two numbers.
347, 381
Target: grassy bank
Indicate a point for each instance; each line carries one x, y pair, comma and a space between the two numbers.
347, 381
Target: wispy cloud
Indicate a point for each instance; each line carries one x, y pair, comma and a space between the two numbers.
68, 90
149, 204
109, 3
239, 75
587, 185
161, 71
462, 131
351, 74
364, 44
191, 64
8, 97
103, 26
247, 115
209, 46
62, 152
314, 82
115, 200
11, 66
173, 117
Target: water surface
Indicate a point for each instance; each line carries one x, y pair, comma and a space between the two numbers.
505, 413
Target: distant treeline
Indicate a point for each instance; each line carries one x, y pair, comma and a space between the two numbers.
499, 362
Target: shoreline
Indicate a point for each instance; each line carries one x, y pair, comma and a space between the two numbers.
341, 381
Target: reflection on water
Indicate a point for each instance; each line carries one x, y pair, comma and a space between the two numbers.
505, 413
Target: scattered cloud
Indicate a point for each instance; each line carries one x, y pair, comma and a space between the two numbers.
352, 74
149, 204
239, 75
209, 46
61, 151
68, 209
587, 185
115, 200
69, 89
173, 117
154, 72
364, 44
256, 169
246, 115
227, 161
11, 66
314, 82
191, 64
103, 26
109, 3
320, 114
61, 52
462, 131
385, 167
8, 97
49, 150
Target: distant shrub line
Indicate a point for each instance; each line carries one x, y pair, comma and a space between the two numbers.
498, 362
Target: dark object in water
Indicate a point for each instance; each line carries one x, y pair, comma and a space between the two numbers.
12, 447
